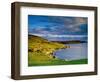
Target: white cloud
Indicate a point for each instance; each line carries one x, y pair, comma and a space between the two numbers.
51, 35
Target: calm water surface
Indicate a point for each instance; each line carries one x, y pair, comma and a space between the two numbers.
76, 51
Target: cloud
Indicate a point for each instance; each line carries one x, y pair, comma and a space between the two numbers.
58, 25
74, 23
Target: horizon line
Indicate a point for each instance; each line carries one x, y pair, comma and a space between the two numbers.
52, 35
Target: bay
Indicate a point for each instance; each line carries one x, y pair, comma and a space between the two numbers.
75, 52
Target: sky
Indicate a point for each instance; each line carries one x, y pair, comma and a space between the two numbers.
53, 27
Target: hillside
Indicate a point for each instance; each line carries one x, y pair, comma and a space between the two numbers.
41, 50
38, 44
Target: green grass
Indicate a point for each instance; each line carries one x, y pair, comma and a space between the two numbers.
36, 59
57, 62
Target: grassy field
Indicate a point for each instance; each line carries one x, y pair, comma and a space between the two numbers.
40, 53
42, 60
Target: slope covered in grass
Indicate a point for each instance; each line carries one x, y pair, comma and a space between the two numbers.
38, 45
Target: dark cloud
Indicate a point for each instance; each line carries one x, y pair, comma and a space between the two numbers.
57, 25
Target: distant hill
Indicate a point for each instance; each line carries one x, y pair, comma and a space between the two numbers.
70, 42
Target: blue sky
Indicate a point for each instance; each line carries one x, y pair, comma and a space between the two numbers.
57, 25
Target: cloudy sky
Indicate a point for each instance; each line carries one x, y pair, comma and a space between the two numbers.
61, 26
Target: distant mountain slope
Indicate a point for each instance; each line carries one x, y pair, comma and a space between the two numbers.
70, 42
